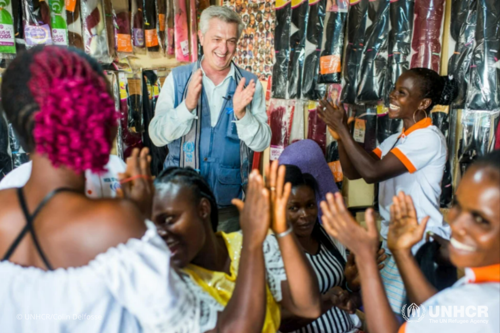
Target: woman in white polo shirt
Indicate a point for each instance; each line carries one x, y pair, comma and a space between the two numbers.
472, 304
412, 161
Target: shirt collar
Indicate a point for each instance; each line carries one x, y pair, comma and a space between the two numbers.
483, 274
424, 123
229, 75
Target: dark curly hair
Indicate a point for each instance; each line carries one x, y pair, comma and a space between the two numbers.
198, 185
441, 90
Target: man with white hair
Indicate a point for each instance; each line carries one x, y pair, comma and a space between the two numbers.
212, 114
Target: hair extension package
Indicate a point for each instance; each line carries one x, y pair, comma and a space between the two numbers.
282, 49
461, 45
135, 119
58, 22
401, 29
7, 34
129, 139
311, 89
95, 36
74, 23
298, 30
280, 120
316, 128
332, 46
484, 89
19, 156
373, 70
150, 26
36, 20
123, 27
5, 152
161, 10
356, 26
170, 41
181, 31
427, 34
138, 38
193, 29
365, 126
297, 129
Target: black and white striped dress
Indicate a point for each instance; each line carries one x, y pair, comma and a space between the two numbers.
330, 274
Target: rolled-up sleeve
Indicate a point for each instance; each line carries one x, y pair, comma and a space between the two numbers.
253, 128
169, 123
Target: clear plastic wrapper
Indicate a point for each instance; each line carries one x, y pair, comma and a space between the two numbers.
7, 29
135, 118
462, 33
280, 115
170, 41
297, 131
440, 119
373, 70
427, 34
333, 159
95, 36
129, 140
365, 126
311, 89
123, 27
400, 33
332, 46
161, 10
483, 92
138, 37
115, 88
58, 22
19, 156
298, 30
150, 25
356, 26
5, 152
282, 49
385, 125
181, 31
36, 21
316, 128
110, 19
17, 13
74, 22
193, 29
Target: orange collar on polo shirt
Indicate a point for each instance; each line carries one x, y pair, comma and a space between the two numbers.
483, 274
426, 122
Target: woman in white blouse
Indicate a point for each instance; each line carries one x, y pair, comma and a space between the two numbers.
70, 263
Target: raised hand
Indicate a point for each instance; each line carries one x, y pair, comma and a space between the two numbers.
351, 270
404, 230
136, 183
344, 300
334, 116
242, 97
339, 223
280, 192
255, 212
194, 90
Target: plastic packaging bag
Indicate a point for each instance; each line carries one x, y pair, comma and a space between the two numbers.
311, 89
5, 152
280, 114
282, 49
484, 89
19, 156
74, 22
440, 119
36, 20
7, 33
316, 128
356, 26
161, 10
401, 19
129, 140
138, 38
333, 159
58, 22
181, 31
427, 34
135, 119
373, 70
150, 25
462, 32
123, 27
193, 29
332, 46
298, 30
95, 36
297, 131
365, 126
170, 28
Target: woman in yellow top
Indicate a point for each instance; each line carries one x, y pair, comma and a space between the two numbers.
185, 210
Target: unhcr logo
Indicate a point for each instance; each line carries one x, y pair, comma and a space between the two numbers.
413, 312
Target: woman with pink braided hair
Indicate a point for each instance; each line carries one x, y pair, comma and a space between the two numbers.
70, 263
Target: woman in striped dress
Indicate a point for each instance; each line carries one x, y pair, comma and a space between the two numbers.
328, 259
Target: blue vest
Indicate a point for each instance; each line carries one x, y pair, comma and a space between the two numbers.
220, 162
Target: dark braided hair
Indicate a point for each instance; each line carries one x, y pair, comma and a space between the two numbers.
441, 90
198, 185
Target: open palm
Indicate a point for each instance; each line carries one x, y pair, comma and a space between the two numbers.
404, 229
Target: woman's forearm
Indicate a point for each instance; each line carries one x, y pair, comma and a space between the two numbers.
379, 315
301, 294
245, 311
417, 287
291, 322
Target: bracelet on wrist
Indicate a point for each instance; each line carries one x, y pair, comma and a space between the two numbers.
284, 233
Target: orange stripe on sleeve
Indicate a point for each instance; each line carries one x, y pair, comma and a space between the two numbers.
402, 157
402, 329
377, 152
